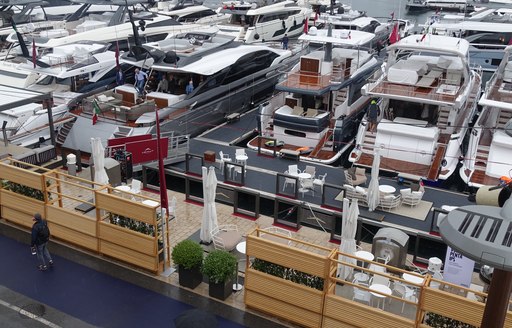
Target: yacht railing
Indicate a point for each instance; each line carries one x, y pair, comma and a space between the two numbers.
442, 92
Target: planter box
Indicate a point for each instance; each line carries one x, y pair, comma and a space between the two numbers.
20, 209
221, 291
189, 278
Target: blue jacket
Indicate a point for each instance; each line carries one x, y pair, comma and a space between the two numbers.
36, 227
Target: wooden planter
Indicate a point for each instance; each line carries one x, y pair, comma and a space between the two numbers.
190, 278
221, 291
20, 209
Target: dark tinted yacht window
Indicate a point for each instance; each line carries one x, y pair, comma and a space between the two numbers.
250, 64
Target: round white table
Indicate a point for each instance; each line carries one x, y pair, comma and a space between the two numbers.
367, 256
304, 175
360, 277
386, 189
123, 188
413, 279
241, 159
150, 202
240, 247
384, 292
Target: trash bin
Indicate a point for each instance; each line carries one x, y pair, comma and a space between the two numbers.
71, 164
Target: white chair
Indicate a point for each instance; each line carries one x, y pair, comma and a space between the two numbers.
306, 185
172, 208
320, 181
288, 181
240, 153
358, 178
411, 198
277, 231
223, 158
390, 202
293, 169
378, 279
226, 237
404, 292
362, 295
311, 170
135, 187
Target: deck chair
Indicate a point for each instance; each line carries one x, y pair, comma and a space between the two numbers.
362, 295
311, 170
288, 181
306, 185
378, 279
320, 181
277, 231
226, 237
355, 178
135, 187
223, 158
411, 198
404, 292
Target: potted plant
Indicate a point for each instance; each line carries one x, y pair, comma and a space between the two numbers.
220, 268
188, 255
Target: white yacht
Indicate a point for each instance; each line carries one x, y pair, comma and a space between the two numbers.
487, 39
428, 95
447, 5
250, 23
196, 14
319, 103
490, 142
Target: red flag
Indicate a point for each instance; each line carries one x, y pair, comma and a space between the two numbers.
117, 53
34, 53
306, 22
509, 42
96, 112
395, 34
164, 202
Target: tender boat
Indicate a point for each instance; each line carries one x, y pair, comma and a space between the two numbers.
319, 103
251, 23
490, 142
428, 96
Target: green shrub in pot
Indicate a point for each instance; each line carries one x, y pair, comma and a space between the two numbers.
220, 268
188, 255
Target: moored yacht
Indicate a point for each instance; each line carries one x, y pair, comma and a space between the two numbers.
319, 104
488, 157
447, 5
207, 77
428, 96
196, 14
251, 23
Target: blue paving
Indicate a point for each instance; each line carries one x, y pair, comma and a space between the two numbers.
86, 294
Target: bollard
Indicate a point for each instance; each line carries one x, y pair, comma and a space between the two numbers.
71, 164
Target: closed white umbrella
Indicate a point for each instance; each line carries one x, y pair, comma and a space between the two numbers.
98, 159
209, 220
373, 187
348, 236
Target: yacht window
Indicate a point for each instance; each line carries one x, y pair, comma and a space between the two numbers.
295, 133
250, 64
47, 80
89, 61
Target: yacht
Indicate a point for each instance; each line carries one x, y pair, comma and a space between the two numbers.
427, 97
319, 103
226, 77
490, 141
250, 23
487, 39
196, 14
446, 5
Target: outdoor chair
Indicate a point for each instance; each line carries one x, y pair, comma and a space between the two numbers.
293, 169
223, 158
403, 292
288, 181
378, 279
172, 208
277, 231
226, 237
135, 187
360, 194
355, 177
311, 170
390, 202
320, 181
362, 295
411, 198
306, 185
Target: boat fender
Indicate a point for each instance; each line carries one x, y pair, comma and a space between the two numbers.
284, 24
256, 36
294, 22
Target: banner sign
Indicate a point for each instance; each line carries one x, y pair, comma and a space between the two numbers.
458, 269
145, 150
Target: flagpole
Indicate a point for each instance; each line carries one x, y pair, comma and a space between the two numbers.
164, 202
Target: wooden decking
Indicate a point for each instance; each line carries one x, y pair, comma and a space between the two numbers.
321, 154
428, 93
395, 165
306, 81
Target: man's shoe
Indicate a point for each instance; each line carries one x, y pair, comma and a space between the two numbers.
42, 268
50, 263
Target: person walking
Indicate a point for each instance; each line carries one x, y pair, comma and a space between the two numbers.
140, 78
285, 42
40, 238
119, 76
373, 113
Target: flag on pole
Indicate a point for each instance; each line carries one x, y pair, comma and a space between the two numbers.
96, 110
117, 53
349, 36
34, 53
395, 34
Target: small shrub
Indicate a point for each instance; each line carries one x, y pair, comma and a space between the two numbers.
219, 266
187, 254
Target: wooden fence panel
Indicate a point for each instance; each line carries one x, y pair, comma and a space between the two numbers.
287, 256
452, 306
73, 236
72, 220
22, 176
119, 252
344, 311
125, 207
128, 239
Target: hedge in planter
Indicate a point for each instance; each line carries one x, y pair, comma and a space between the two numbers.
188, 255
220, 268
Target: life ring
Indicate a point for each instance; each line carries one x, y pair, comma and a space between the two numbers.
304, 150
271, 143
